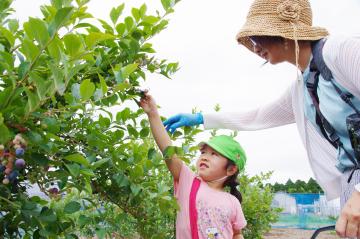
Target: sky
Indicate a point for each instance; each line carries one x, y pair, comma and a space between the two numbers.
216, 70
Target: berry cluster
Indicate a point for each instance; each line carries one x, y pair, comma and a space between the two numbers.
11, 160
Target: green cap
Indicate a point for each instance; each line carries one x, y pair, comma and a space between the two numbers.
229, 148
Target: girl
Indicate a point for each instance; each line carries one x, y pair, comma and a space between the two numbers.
206, 211
282, 31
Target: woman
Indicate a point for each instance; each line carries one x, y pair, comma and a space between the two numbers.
282, 31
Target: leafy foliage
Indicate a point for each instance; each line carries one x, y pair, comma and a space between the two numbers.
257, 199
299, 186
62, 77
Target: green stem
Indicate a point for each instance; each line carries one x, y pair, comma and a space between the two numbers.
10, 202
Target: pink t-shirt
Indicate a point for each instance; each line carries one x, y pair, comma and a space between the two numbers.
219, 213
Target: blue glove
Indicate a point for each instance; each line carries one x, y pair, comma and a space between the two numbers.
180, 120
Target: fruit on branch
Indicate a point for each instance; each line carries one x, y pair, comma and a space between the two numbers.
19, 152
20, 163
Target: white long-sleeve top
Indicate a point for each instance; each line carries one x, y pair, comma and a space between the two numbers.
342, 56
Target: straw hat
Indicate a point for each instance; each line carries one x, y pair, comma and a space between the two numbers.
291, 19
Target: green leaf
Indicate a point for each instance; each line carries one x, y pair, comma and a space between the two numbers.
5, 133
104, 87
29, 49
100, 233
106, 26
98, 163
116, 12
87, 89
121, 180
151, 19
72, 207
120, 28
8, 35
42, 86
137, 172
13, 25
78, 158
83, 220
47, 215
33, 101
62, 15
144, 132
75, 91
55, 49
73, 44
132, 131
95, 37
128, 69
142, 10
74, 169
87, 172
37, 29
167, 4
136, 14
135, 189
58, 78
129, 22
23, 69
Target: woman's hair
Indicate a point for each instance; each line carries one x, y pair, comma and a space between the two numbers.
232, 182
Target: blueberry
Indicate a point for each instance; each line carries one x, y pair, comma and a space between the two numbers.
2, 168
20, 163
19, 152
13, 175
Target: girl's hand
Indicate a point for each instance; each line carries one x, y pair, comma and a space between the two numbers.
148, 104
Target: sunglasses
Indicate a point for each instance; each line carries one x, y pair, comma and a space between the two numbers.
259, 41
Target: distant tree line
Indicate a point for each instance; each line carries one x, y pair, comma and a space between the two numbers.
299, 186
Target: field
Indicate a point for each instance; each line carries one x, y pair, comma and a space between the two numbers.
278, 233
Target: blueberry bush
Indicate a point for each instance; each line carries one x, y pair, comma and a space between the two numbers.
70, 125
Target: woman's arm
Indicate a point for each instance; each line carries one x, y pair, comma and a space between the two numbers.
159, 133
277, 113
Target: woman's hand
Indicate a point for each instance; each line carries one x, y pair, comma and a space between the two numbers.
148, 104
348, 224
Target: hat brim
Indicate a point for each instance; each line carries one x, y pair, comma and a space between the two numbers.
217, 149
269, 26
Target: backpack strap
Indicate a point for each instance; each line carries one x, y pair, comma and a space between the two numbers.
316, 64
317, 68
192, 208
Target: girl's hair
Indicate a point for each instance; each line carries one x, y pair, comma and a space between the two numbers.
232, 182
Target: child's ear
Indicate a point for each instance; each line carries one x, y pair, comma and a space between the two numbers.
231, 170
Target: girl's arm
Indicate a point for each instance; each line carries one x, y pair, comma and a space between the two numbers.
160, 134
238, 235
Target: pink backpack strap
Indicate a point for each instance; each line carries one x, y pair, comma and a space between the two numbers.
192, 208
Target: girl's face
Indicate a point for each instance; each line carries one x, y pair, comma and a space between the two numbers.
272, 49
211, 165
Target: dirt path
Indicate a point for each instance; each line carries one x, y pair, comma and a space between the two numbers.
297, 234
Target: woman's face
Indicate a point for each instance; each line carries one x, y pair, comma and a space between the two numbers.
271, 49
